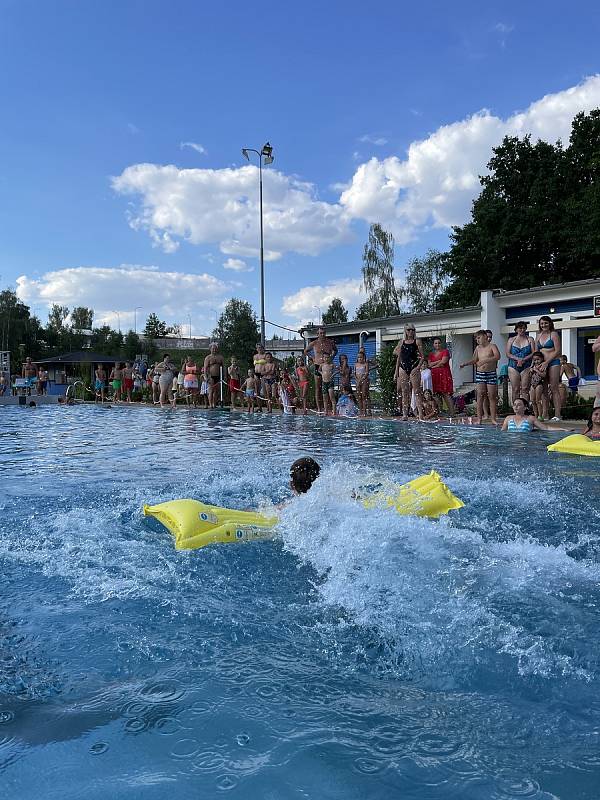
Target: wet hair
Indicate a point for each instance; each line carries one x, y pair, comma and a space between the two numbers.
488, 332
481, 333
521, 324
548, 320
590, 424
303, 473
526, 403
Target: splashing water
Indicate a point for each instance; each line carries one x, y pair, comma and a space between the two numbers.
359, 654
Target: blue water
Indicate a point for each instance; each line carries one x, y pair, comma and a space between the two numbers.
358, 655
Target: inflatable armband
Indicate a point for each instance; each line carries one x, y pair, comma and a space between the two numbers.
577, 444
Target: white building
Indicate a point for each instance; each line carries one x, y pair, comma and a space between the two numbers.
574, 308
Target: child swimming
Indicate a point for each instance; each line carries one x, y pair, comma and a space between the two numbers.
303, 473
523, 422
593, 425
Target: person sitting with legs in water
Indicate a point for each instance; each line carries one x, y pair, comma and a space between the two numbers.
431, 409
409, 357
522, 421
485, 359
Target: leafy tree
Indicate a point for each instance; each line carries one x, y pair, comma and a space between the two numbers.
386, 366
156, 328
57, 317
383, 296
426, 279
237, 330
20, 333
82, 318
336, 313
132, 345
537, 219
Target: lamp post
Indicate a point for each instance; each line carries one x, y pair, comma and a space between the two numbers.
118, 320
135, 310
320, 315
265, 157
190, 324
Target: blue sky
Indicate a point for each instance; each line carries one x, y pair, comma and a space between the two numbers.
122, 183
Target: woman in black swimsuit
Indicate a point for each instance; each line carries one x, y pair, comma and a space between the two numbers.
409, 355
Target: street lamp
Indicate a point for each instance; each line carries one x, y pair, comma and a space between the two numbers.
190, 322
265, 157
118, 320
135, 310
320, 315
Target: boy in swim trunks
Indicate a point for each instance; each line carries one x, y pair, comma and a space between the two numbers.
571, 372
233, 373
485, 358
42, 381
302, 376
116, 379
249, 389
327, 371
100, 378
127, 380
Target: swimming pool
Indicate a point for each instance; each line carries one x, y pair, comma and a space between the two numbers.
358, 655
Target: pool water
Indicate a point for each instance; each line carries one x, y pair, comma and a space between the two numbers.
360, 654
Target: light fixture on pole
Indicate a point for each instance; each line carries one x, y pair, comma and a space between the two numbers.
190, 322
265, 157
320, 315
135, 310
118, 320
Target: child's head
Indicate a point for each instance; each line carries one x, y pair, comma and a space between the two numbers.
326, 358
250, 373
537, 359
594, 418
361, 356
269, 357
299, 361
563, 359
343, 360
481, 337
303, 473
521, 406
233, 360
428, 395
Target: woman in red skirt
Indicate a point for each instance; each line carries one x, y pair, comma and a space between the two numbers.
441, 374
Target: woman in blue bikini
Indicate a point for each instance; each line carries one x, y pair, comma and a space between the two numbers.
522, 420
519, 350
548, 344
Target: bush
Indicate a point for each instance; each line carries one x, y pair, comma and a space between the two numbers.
386, 367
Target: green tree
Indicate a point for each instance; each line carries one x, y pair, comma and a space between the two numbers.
20, 333
57, 316
237, 330
386, 367
82, 318
536, 220
336, 313
156, 328
426, 279
132, 346
383, 296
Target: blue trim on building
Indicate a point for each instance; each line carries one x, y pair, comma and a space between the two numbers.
559, 307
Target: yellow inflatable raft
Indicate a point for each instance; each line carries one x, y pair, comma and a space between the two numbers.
577, 444
195, 524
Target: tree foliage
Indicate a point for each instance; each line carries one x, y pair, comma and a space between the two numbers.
19, 331
383, 296
386, 367
82, 318
156, 328
537, 219
336, 313
237, 330
426, 279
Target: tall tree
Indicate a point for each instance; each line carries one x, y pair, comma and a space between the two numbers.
155, 328
426, 279
237, 330
336, 313
383, 296
57, 316
20, 333
537, 219
82, 318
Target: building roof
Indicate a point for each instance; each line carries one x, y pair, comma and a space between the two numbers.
549, 286
378, 322
80, 357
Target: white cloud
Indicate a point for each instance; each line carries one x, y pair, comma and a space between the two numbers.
194, 146
433, 185
437, 181
370, 138
301, 305
237, 265
171, 295
221, 205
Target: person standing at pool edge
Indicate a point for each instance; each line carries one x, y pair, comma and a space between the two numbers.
441, 374
409, 357
548, 344
519, 349
321, 346
485, 359
213, 364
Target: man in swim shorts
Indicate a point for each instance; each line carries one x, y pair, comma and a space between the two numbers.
320, 347
42, 381
29, 373
100, 382
485, 359
269, 381
571, 372
213, 364
116, 379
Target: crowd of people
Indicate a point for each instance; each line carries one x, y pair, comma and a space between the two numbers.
424, 384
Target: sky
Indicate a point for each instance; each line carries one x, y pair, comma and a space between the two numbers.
122, 183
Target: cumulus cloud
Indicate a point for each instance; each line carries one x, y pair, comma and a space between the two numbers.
221, 205
436, 182
114, 292
237, 265
301, 305
193, 146
433, 185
